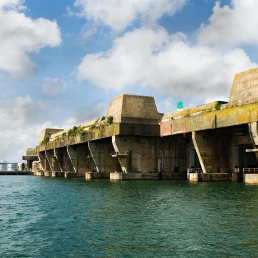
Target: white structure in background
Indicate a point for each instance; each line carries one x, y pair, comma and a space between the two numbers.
5, 166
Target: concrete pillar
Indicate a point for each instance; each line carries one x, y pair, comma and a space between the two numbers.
199, 144
51, 161
135, 154
57, 158
56, 165
64, 161
213, 150
101, 154
81, 157
254, 136
44, 161
37, 168
73, 157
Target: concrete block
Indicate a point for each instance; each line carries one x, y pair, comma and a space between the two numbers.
48, 173
250, 178
96, 175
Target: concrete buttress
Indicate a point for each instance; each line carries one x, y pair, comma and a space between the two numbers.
101, 154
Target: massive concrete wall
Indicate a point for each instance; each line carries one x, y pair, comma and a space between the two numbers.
48, 132
213, 136
101, 154
151, 154
133, 109
245, 88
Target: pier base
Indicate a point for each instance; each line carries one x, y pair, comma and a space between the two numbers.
209, 177
57, 174
74, 174
48, 173
237, 177
147, 176
250, 178
38, 173
96, 175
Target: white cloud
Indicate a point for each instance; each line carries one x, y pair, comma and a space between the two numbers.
20, 36
12, 4
169, 64
118, 14
231, 25
20, 127
85, 114
53, 86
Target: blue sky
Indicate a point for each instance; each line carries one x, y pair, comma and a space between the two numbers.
62, 61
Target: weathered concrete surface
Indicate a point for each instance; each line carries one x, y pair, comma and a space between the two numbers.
151, 154
209, 177
212, 150
96, 175
244, 88
250, 178
210, 138
134, 109
101, 133
38, 173
31, 155
147, 176
237, 177
101, 154
48, 132
74, 175
48, 173
57, 174
211, 120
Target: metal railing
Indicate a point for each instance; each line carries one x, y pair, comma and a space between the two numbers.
250, 170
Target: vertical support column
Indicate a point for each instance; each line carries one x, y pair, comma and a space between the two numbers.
60, 157
81, 157
49, 157
44, 161
57, 165
123, 155
136, 154
73, 157
101, 153
198, 151
95, 152
252, 127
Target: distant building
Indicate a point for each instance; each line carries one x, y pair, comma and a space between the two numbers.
12, 167
5, 166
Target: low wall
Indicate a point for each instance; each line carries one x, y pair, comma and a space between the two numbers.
250, 178
57, 174
96, 175
147, 176
74, 174
209, 177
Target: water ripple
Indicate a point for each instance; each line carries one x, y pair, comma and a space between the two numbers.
57, 217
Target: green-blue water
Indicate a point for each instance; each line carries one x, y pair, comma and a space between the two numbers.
57, 217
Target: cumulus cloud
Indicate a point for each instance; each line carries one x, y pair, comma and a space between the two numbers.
118, 14
231, 25
20, 36
85, 114
20, 127
167, 63
53, 86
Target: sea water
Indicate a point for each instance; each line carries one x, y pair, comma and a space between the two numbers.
58, 217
